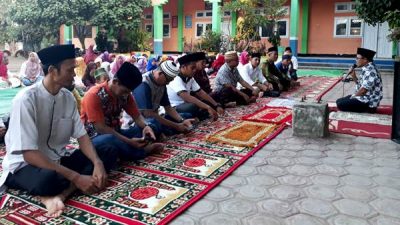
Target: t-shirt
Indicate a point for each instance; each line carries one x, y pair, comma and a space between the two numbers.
149, 95
100, 105
251, 75
225, 76
371, 80
43, 122
179, 85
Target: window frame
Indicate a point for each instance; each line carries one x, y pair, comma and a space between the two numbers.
167, 13
348, 24
275, 27
205, 26
169, 30
148, 14
348, 4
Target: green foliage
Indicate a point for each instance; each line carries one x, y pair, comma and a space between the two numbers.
211, 41
274, 39
101, 41
134, 40
379, 11
268, 11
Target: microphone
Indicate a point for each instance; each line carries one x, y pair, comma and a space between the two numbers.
345, 78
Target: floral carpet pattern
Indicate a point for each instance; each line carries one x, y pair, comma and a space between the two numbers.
158, 188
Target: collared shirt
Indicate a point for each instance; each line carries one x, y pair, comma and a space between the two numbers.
42, 122
100, 105
226, 75
179, 85
251, 75
371, 80
149, 95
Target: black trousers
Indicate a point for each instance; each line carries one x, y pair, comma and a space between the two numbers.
194, 110
227, 94
353, 105
45, 182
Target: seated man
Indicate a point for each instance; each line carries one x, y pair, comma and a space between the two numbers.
180, 88
152, 93
226, 81
43, 118
369, 91
284, 67
279, 81
101, 113
252, 74
200, 76
294, 63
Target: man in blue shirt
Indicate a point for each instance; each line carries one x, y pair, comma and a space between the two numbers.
152, 94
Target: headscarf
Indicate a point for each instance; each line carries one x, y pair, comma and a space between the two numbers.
105, 57
218, 62
90, 56
88, 80
80, 67
3, 67
119, 60
150, 65
244, 58
32, 66
141, 64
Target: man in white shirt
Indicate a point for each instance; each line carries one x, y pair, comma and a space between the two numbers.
43, 119
294, 64
252, 74
180, 88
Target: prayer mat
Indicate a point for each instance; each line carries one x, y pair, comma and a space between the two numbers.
244, 134
157, 189
312, 87
276, 115
382, 109
361, 124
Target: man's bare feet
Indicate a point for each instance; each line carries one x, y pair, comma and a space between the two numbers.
154, 148
54, 205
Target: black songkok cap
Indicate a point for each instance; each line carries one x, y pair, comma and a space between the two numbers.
288, 49
369, 54
273, 49
56, 54
199, 56
286, 57
129, 76
186, 59
255, 55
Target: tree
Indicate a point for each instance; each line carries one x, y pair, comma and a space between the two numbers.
380, 11
254, 14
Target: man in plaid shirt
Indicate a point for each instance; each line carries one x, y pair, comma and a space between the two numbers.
369, 91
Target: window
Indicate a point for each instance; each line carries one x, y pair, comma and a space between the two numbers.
200, 14
148, 16
166, 30
227, 13
347, 27
166, 16
149, 28
209, 14
345, 7
281, 26
201, 28
203, 14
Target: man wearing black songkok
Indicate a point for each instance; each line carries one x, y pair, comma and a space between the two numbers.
43, 119
369, 90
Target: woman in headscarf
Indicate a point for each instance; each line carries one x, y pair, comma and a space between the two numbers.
244, 58
105, 57
88, 78
4, 82
119, 60
31, 71
151, 64
90, 56
220, 61
142, 64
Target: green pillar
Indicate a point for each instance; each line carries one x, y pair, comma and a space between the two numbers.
304, 29
395, 48
234, 23
216, 16
158, 29
67, 34
294, 25
180, 25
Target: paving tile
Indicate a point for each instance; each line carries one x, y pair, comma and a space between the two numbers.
331, 170
359, 170
285, 153
272, 170
387, 192
347, 220
356, 193
315, 207
340, 147
233, 181
335, 161
261, 180
279, 161
255, 161
219, 219
322, 192
253, 192
245, 170
308, 161
354, 208
356, 180
219, 193
389, 207
360, 162
286, 193
302, 219
325, 180
387, 146
387, 162
387, 171
313, 153
387, 181
387, 153
363, 154
277, 208
258, 220
338, 154
384, 220
238, 207
301, 170
203, 208
294, 180
184, 220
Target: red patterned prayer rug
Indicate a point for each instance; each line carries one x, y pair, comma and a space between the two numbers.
361, 124
312, 87
154, 190
276, 115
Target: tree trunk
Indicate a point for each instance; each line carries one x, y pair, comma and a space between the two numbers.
80, 32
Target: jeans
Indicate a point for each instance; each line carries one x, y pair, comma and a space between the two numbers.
353, 105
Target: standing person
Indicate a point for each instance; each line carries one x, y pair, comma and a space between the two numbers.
101, 112
227, 79
152, 93
252, 74
200, 104
272, 74
200, 75
3, 72
31, 70
294, 64
369, 90
43, 118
